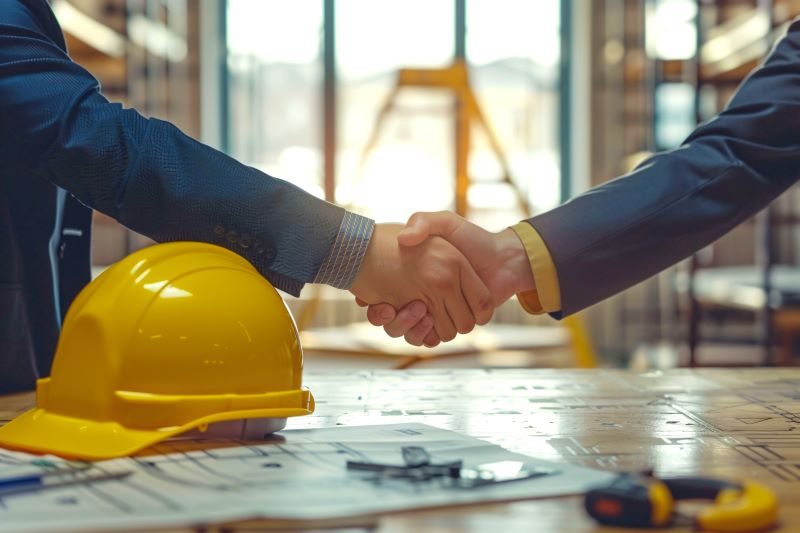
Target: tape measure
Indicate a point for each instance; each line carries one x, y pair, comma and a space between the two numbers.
641, 500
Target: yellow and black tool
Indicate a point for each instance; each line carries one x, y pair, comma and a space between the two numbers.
641, 500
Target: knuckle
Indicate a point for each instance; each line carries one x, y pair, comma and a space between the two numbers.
450, 257
451, 260
417, 215
439, 279
408, 321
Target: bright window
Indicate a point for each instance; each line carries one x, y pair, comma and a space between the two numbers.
410, 166
275, 70
275, 75
513, 48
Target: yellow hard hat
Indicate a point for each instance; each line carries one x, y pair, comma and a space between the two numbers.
173, 337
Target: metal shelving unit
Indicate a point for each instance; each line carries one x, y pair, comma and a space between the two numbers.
733, 37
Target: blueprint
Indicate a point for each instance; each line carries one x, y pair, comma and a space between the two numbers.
297, 475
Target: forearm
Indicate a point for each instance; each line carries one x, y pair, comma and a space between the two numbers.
156, 180
619, 234
610, 250
169, 187
163, 184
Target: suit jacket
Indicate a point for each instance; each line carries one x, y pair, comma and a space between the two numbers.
677, 202
63, 147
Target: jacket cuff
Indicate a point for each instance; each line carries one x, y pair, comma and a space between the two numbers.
546, 298
285, 283
341, 265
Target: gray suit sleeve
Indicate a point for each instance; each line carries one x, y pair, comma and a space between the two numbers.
677, 202
153, 178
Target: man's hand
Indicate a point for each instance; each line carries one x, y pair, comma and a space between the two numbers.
499, 259
434, 272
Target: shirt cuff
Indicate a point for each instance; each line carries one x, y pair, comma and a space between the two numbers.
341, 265
546, 298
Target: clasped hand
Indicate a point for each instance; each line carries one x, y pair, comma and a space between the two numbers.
438, 276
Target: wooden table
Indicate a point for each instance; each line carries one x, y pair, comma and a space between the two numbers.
719, 422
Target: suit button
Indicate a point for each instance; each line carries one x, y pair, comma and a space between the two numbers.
246, 241
232, 237
264, 249
219, 230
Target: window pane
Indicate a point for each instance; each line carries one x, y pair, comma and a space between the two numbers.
513, 50
410, 167
275, 77
674, 114
671, 32
275, 95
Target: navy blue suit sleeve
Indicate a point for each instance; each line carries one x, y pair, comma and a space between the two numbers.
145, 172
677, 202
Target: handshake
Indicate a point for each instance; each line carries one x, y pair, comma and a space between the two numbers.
438, 276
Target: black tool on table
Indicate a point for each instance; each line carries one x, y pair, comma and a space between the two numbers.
642, 500
419, 466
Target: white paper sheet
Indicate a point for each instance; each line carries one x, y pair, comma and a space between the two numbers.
299, 475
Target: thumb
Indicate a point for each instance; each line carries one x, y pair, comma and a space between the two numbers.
422, 225
416, 231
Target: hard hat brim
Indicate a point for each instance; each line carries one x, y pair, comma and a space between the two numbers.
40, 431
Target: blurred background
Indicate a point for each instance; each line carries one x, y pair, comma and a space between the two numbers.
495, 108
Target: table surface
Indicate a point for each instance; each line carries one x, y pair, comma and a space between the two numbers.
733, 423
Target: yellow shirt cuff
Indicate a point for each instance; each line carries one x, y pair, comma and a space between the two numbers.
546, 298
